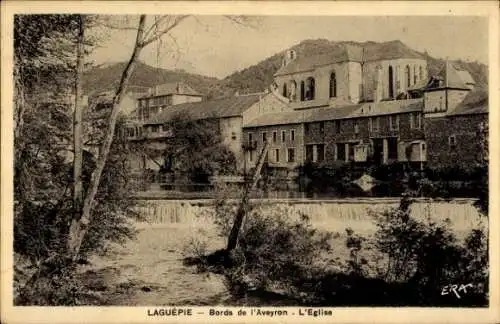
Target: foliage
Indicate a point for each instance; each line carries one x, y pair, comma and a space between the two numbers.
44, 64
421, 257
196, 148
273, 248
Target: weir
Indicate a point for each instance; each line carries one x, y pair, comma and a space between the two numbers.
332, 215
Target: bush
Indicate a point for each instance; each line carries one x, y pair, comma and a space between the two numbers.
273, 248
422, 256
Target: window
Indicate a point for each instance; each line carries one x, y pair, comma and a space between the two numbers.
320, 155
293, 90
277, 155
264, 137
302, 91
391, 82
408, 76
322, 127
250, 138
414, 75
155, 128
373, 124
394, 122
233, 136
421, 73
337, 126
452, 142
306, 129
250, 156
310, 89
333, 85
292, 135
291, 155
275, 136
283, 136
285, 91
416, 120
164, 128
131, 132
423, 146
309, 153
356, 127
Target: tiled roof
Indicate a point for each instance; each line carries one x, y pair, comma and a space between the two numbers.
282, 118
455, 78
172, 88
389, 51
476, 102
388, 107
333, 113
226, 107
352, 53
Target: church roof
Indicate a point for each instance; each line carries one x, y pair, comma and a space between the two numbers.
346, 52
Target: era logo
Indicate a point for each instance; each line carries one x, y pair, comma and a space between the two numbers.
455, 289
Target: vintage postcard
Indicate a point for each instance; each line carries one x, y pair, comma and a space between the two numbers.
249, 161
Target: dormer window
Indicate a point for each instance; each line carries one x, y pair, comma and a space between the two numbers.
333, 85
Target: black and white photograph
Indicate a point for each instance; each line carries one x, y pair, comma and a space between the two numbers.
265, 166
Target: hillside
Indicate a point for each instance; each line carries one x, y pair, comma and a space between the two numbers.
255, 78
144, 76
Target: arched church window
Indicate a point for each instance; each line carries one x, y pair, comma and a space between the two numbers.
391, 82
310, 89
415, 75
293, 90
408, 76
285, 91
302, 91
333, 85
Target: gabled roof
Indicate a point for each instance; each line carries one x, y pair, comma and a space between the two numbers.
171, 88
351, 53
220, 108
476, 102
389, 51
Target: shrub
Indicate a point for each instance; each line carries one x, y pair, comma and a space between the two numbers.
273, 248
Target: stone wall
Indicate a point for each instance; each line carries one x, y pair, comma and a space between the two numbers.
467, 150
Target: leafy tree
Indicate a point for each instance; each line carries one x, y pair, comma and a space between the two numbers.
196, 148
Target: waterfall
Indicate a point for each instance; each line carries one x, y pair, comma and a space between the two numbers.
328, 215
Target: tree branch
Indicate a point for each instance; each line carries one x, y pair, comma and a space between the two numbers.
152, 38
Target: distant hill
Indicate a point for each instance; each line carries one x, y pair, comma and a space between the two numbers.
255, 78
144, 76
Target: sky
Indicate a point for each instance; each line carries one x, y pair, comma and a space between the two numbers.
216, 46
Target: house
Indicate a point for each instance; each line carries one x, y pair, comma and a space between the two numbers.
231, 114
164, 95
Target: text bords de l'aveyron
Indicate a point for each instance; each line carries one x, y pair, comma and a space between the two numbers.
313, 312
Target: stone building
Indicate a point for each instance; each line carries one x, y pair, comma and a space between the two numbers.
231, 114
370, 104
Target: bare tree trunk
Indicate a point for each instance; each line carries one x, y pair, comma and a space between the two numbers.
242, 209
77, 123
79, 226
